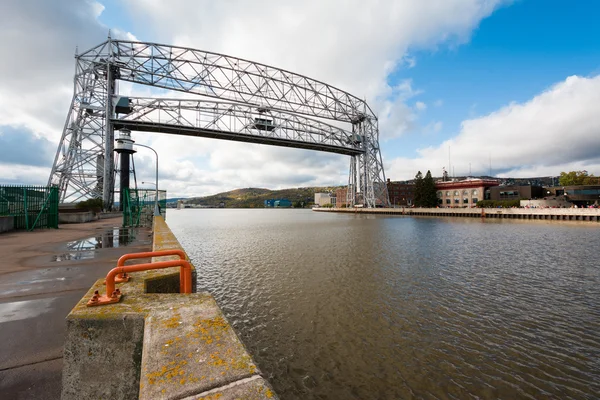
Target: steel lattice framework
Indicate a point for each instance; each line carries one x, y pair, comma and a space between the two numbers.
257, 103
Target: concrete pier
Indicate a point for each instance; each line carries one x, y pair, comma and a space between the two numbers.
157, 343
549, 214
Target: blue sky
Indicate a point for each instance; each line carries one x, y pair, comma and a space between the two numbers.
514, 81
517, 52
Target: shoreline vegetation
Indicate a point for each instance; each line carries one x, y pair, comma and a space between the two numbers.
255, 197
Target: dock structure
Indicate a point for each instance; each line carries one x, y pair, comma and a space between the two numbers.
550, 214
158, 341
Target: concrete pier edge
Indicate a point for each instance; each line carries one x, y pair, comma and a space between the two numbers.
157, 343
548, 214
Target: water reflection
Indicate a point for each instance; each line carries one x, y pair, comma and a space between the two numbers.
351, 307
83, 249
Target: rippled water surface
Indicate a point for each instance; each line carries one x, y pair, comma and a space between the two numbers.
335, 306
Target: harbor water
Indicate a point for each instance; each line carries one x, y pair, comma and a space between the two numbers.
337, 306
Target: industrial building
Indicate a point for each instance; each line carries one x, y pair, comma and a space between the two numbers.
278, 203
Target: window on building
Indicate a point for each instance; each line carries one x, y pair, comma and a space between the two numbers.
448, 193
456, 201
447, 201
465, 200
465, 192
475, 200
456, 193
475, 192
439, 194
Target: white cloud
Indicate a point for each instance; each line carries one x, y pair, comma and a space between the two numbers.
354, 45
558, 130
420, 106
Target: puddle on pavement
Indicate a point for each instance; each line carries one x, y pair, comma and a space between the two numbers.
76, 255
115, 237
84, 249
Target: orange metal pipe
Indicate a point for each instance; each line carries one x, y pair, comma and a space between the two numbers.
161, 253
148, 254
185, 274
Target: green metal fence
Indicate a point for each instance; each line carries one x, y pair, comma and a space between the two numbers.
138, 206
33, 207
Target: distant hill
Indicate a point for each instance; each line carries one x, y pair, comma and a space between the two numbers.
255, 197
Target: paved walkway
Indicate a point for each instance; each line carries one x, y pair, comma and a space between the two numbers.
42, 276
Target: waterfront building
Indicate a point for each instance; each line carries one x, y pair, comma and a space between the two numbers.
340, 195
279, 203
322, 199
580, 195
516, 192
401, 194
465, 193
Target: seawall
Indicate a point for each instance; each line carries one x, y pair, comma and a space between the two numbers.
557, 214
157, 343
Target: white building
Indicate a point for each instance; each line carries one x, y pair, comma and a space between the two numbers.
321, 199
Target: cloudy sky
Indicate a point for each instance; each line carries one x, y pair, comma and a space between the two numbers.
514, 84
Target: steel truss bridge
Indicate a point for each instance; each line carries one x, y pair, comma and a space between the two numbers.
235, 99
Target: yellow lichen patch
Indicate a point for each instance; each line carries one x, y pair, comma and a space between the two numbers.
209, 330
172, 322
172, 373
211, 397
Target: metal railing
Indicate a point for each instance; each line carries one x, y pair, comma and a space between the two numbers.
31, 206
138, 206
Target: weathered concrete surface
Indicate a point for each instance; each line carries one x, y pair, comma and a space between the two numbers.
37, 292
253, 388
7, 224
76, 217
190, 348
112, 345
177, 344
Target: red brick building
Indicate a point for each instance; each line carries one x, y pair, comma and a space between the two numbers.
340, 195
401, 193
462, 193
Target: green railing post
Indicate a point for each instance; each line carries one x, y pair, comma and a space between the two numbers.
26, 209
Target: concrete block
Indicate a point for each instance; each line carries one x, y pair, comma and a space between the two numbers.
190, 348
102, 357
7, 224
76, 217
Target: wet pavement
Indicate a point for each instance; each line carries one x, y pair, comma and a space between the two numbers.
42, 275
